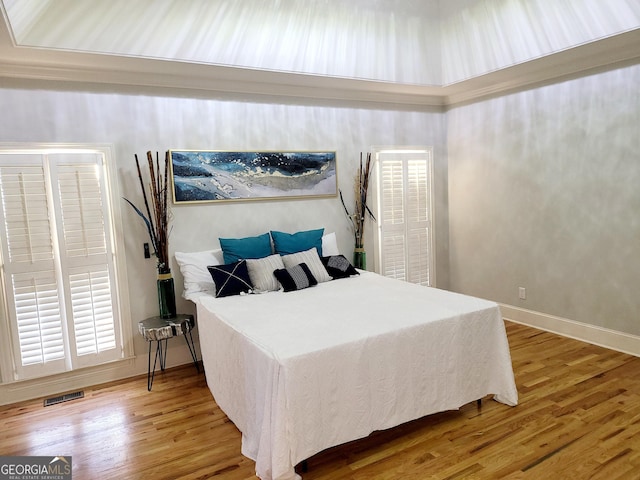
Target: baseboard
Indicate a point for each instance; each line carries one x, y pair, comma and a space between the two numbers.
603, 337
88, 377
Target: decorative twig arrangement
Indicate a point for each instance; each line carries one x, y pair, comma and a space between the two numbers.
361, 187
157, 215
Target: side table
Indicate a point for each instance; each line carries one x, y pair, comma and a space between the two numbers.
158, 329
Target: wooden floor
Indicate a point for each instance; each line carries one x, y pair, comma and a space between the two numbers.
578, 418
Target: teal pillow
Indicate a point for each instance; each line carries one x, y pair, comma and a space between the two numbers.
234, 249
288, 243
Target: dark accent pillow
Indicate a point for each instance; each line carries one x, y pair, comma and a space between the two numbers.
234, 249
231, 279
295, 278
288, 243
338, 266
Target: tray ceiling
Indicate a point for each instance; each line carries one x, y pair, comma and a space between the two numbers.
430, 52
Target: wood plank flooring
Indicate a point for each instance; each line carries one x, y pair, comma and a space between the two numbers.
578, 418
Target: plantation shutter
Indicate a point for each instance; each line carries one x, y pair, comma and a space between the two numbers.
404, 199
392, 220
33, 294
58, 262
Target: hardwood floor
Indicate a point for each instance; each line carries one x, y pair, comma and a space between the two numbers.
578, 418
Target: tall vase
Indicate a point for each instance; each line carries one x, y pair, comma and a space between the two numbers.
360, 258
166, 295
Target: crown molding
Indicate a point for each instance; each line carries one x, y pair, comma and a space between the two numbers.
608, 53
209, 80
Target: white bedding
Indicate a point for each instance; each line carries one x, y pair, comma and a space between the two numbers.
302, 371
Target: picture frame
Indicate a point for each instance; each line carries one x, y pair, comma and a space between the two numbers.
222, 176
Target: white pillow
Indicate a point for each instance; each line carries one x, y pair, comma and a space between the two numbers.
193, 266
312, 259
330, 245
261, 272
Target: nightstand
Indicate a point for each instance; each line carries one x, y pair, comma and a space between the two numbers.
159, 330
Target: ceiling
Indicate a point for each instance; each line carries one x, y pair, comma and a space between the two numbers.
383, 51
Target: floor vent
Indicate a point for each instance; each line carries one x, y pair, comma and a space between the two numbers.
63, 398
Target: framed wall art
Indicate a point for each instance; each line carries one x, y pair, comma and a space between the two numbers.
211, 176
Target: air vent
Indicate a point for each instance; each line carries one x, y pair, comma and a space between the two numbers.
63, 398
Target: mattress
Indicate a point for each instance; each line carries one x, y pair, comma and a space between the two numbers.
302, 371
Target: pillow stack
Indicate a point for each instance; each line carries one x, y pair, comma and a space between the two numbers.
249, 265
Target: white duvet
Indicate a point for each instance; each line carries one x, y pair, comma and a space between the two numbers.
302, 371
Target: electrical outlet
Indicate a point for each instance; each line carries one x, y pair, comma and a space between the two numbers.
522, 293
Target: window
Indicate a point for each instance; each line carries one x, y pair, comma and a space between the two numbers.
58, 258
404, 209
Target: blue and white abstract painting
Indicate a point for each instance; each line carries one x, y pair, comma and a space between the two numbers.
217, 176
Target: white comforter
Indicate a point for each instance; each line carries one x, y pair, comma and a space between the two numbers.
302, 371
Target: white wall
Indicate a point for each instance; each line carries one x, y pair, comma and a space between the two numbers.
136, 123
544, 189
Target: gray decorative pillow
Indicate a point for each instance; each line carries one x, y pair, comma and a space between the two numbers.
261, 272
312, 259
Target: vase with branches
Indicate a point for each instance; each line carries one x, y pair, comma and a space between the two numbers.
361, 210
156, 217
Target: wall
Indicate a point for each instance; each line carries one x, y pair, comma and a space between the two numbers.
135, 123
543, 187
544, 190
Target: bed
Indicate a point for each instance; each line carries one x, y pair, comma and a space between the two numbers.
298, 372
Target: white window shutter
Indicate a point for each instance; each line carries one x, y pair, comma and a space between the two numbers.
83, 221
30, 274
392, 219
39, 323
417, 221
26, 214
91, 306
404, 210
58, 262
86, 265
